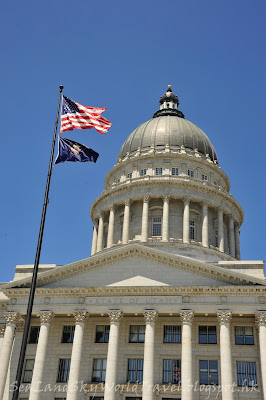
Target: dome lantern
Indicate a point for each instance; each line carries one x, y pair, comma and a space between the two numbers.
169, 105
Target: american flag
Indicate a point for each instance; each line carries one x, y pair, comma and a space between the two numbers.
74, 115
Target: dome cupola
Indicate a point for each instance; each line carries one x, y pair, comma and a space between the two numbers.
168, 192
168, 129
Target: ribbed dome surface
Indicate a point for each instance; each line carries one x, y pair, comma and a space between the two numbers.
168, 130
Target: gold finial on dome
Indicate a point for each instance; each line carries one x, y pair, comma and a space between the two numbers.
169, 87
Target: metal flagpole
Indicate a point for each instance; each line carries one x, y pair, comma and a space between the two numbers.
36, 264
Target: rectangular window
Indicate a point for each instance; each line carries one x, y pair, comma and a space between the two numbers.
102, 333
158, 171
204, 177
133, 398
207, 335
129, 175
34, 334
192, 230
208, 372
172, 334
135, 370
96, 398
136, 333
68, 333
175, 171
246, 374
99, 370
28, 370
214, 182
157, 226
63, 369
244, 335
172, 371
190, 173
60, 398
143, 172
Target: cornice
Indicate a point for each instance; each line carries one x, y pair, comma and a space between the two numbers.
154, 255
179, 181
103, 291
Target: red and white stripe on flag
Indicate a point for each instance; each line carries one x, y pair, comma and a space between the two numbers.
87, 118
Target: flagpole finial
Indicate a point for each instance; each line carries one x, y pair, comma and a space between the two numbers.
61, 87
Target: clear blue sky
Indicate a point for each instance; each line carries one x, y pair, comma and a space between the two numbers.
121, 55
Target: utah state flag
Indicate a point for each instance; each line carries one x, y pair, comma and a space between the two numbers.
68, 150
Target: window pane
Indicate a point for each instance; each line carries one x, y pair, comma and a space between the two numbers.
133, 336
249, 339
176, 371
107, 331
203, 334
177, 334
167, 364
212, 335
131, 364
251, 374
99, 333
167, 338
68, 334
34, 334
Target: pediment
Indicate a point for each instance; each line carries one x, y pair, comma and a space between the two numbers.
137, 265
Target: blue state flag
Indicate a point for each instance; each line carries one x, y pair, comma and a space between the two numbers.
68, 150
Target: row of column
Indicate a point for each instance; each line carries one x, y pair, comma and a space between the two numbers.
224, 318
234, 244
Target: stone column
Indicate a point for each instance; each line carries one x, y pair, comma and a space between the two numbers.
165, 230
94, 240
232, 236
125, 234
145, 219
100, 234
186, 355
220, 229
112, 355
39, 363
72, 392
12, 319
186, 221
224, 318
237, 241
148, 362
261, 325
205, 225
2, 332
111, 225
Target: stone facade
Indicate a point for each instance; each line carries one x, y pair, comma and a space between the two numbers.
164, 308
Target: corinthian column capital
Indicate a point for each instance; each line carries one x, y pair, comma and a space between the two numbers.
80, 315
115, 316
224, 316
166, 199
46, 317
112, 207
2, 330
186, 316
127, 202
146, 199
12, 318
150, 315
260, 318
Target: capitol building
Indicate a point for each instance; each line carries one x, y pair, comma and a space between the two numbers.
164, 308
